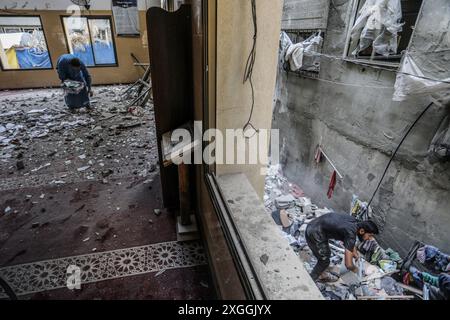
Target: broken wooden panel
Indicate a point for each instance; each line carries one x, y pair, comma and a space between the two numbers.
171, 67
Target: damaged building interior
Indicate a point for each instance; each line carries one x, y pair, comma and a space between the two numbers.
317, 169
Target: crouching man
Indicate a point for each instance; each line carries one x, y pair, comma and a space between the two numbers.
70, 67
337, 226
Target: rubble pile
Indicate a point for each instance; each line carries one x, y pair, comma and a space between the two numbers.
292, 211
42, 143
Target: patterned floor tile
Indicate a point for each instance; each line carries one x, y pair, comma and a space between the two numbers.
52, 274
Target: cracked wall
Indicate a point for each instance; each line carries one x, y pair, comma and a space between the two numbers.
352, 114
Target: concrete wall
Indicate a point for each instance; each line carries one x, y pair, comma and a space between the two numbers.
352, 114
234, 42
125, 72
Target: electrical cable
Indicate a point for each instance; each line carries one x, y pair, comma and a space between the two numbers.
396, 151
248, 73
362, 63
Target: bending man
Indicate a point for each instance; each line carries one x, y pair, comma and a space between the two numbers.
69, 67
337, 226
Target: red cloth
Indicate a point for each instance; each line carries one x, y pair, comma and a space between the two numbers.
332, 185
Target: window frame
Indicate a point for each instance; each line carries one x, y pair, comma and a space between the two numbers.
93, 17
346, 57
46, 43
301, 72
251, 285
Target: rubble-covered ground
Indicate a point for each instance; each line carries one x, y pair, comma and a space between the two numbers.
75, 184
42, 143
283, 195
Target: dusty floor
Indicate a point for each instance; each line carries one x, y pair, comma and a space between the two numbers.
87, 185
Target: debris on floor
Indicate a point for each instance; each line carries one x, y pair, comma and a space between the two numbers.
292, 211
42, 143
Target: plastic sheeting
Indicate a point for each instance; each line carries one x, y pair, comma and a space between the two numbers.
306, 51
378, 24
294, 54
33, 59
84, 53
412, 82
311, 57
104, 54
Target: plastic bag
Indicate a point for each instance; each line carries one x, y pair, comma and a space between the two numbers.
378, 24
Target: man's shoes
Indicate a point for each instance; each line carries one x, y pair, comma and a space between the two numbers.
328, 277
73, 110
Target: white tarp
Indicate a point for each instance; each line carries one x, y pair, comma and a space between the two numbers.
412, 82
378, 24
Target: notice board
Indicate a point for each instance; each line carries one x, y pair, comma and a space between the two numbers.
126, 17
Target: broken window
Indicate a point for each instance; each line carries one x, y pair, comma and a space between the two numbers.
302, 54
22, 43
382, 29
91, 40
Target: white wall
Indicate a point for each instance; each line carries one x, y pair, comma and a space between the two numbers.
64, 4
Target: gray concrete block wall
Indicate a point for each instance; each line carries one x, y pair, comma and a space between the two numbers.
360, 126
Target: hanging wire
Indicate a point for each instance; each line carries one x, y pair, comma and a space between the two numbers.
248, 73
371, 65
396, 151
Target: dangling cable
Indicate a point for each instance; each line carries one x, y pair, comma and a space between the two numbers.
396, 151
248, 74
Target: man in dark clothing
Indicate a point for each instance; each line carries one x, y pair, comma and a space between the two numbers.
337, 226
69, 67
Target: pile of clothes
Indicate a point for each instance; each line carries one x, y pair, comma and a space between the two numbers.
437, 281
433, 258
388, 260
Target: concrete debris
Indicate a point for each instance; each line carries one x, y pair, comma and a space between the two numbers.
291, 210
105, 142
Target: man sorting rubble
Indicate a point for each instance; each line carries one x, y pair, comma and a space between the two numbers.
337, 226
76, 81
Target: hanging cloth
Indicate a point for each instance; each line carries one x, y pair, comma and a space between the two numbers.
332, 185
13, 63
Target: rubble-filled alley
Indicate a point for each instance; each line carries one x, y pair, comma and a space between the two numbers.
378, 277
85, 187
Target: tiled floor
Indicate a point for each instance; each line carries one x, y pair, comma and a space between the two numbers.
102, 219
53, 274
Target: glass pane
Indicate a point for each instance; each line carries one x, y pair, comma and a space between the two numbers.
77, 34
22, 44
101, 36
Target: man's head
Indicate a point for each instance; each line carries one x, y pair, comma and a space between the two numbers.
366, 230
75, 63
